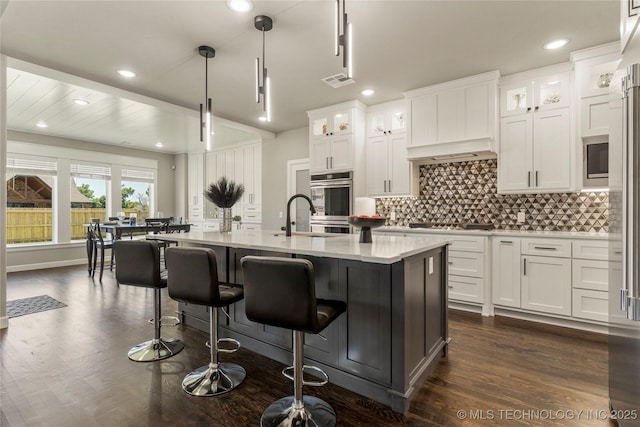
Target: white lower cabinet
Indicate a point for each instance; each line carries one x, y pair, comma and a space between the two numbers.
546, 284
506, 271
590, 280
467, 269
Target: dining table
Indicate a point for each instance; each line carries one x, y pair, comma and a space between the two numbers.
117, 230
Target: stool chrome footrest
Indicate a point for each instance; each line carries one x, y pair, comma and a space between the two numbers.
320, 383
313, 412
225, 350
152, 350
174, 321
212, 380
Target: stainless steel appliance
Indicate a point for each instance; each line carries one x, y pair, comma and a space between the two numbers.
595, 161
332, 197
624, 255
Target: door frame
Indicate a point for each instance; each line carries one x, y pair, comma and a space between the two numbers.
293, 166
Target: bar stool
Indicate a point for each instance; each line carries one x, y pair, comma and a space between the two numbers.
138, 264
193, 279
281, 292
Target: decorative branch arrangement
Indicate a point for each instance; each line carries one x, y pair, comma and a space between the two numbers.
224, 193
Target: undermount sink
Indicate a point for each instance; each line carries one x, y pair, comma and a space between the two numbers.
306, 234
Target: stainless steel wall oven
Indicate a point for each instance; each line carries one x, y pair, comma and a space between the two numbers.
332, 196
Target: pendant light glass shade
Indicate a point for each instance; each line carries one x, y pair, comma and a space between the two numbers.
263, 23
206, 113
345, 39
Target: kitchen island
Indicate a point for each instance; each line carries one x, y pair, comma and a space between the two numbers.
395, 328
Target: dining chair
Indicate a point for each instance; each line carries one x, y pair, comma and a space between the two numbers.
99, 242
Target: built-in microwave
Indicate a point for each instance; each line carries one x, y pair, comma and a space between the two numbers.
595, 169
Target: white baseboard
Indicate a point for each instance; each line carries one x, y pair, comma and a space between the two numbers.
4, 322
552, 320
43, 265
472, 308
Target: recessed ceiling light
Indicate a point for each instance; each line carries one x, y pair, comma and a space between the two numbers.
158, 144
41, 124
262, 118
240, 5
368, 92
556, 44
127, 73
81, 101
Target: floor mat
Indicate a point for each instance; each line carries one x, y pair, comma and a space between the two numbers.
24, 306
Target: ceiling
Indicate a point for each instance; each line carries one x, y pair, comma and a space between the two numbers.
398, 46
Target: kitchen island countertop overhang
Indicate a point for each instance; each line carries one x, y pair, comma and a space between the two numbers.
394, 331
383, 249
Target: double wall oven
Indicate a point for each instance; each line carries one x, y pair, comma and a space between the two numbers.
332, 196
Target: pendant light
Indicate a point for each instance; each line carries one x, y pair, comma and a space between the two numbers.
206, 119
263, 23
345, 39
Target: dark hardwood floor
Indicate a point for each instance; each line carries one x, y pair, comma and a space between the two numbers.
69, 367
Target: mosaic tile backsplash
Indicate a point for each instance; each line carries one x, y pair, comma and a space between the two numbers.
454, 193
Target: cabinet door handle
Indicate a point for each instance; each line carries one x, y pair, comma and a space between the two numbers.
537, 107
536, 178
385, 186
450, 287
389, 132
528, 109
326, 162
450, 262
506, 241
544, 248
331, 161
525, 267
529, 179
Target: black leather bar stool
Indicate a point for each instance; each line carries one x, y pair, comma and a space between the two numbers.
138, 264
193, 279
281, 292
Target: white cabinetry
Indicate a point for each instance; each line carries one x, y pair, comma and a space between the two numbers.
590, 282
452, 118
535, 135
467, 272
506, 271
546, 276
244, 166
196, 186
388, 170
335, 133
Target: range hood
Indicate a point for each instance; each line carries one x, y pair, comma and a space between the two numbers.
452, 151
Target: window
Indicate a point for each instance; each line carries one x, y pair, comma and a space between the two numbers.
31, 194
88, 195
138, 192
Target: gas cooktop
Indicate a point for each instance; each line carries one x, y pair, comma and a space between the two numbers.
452, 225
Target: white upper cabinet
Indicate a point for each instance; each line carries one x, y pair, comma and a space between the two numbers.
544, 93
536, 146
388, 170
453, 117
335, 135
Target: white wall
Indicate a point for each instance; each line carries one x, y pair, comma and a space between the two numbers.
289, 145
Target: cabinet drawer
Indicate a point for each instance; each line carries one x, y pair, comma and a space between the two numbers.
591, 249
469, 264
212, 226
592, 305
468, 289
547, 247
251, 208
252, 217
251, 227
196, 226
588, 274
466, 243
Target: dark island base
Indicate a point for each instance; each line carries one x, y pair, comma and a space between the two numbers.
387, 343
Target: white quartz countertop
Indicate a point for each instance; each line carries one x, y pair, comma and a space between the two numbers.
514, 233
383, 249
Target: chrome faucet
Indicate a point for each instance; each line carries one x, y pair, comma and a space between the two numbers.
295, 196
